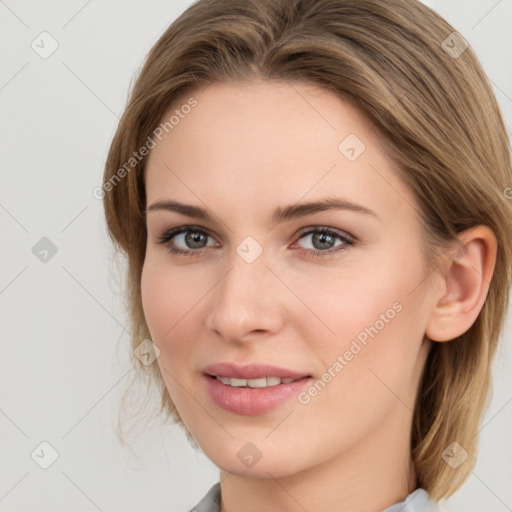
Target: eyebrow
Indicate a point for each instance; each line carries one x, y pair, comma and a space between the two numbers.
280, 214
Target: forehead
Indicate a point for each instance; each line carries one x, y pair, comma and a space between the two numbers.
274, 142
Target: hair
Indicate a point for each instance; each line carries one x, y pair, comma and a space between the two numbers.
444, 134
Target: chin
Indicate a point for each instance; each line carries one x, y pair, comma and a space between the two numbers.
276, 465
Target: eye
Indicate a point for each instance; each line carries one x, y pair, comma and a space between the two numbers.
324, 238
193, 237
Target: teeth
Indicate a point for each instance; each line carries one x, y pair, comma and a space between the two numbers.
259, 383
238, 382
254, 383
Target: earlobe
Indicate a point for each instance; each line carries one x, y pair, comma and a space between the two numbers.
466, 280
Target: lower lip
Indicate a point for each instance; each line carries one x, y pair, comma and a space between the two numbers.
252, 401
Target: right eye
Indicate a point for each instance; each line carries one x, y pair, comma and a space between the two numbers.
192, 239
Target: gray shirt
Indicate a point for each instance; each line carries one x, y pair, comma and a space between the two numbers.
417, 501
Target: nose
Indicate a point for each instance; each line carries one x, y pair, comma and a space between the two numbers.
248, 301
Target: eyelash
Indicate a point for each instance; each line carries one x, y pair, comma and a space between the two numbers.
347, 242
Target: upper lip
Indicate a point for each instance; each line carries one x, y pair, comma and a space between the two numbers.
251, 371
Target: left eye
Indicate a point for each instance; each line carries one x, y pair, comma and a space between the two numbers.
325, 239
195, 239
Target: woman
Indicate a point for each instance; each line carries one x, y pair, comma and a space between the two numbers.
311, 196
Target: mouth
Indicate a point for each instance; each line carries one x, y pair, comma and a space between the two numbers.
254, 389
263, 382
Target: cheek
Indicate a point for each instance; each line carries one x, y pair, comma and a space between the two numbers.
157, 301
173, 301
376, 315
168, 295
165, 302
168, 299
352, 299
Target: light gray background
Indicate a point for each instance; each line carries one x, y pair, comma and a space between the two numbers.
64, 361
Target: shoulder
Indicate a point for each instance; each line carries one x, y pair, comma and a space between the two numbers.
210, 501
416, 501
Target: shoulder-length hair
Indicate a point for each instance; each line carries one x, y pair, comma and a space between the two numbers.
423, 89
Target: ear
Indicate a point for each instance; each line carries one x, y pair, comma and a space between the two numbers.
465, 283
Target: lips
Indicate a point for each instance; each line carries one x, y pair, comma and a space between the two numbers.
251, 371
239, 389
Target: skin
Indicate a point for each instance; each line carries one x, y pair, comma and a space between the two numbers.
242, 152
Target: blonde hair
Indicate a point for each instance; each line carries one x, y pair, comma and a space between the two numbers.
434, 107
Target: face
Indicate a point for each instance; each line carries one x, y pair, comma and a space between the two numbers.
333, 296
